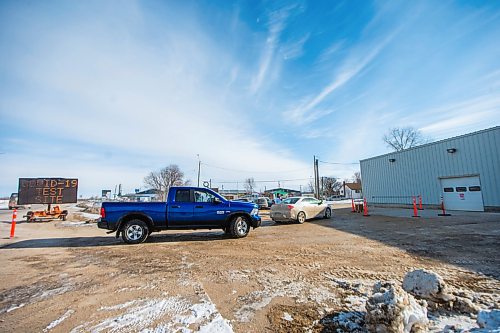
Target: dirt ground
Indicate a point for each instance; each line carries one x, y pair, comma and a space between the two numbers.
73, 277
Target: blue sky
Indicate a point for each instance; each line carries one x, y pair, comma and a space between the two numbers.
107, 91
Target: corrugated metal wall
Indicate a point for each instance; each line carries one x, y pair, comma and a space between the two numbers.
418, 170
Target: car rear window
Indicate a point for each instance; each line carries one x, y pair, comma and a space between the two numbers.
290, 200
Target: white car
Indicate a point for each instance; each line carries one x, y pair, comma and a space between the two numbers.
300, 209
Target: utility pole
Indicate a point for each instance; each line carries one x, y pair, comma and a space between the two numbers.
314, 168
316, 178
199, 167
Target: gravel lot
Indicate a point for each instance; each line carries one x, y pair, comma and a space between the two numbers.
70, 276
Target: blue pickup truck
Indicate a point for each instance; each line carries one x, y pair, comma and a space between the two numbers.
186, 208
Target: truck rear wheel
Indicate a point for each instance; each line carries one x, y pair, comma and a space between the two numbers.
239, 227
135, 232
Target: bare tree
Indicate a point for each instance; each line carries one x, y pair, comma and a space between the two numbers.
153, 180
403, 138
356, 178
249, 185
310, 186
331, 186
162, 180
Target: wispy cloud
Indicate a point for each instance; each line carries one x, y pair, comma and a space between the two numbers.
353, 65
276, 24
294, 49
468, 115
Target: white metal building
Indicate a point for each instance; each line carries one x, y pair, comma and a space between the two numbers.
464, 170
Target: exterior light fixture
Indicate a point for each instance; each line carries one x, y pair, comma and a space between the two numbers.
451, 150
392, 160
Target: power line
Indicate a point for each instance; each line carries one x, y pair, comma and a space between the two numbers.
246, 171
260, 181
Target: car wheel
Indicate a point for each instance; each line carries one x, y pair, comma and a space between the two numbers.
239, 227
135, 232
328, 213
301, 217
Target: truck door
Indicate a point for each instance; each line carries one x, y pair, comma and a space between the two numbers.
206, 210
180, 209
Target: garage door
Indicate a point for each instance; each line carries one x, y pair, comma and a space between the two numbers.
462, 193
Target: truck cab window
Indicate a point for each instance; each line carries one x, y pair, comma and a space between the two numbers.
182, 196
202, 196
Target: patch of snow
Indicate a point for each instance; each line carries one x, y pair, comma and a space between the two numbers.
137, 317
489, 319
89, 216
451, 324
54, 292
356, 303
274, 287
14, 307
176, 314
347, 321
4, 204
75, 224
235, 275
59, 320
287, 316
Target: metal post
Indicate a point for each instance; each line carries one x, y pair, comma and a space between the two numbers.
317, 177
199, 167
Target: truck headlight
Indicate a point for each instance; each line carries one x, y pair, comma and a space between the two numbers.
254, 211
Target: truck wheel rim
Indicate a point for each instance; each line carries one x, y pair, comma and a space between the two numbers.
241, 226
134, 232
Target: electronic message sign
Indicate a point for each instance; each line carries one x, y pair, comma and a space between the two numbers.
47, 190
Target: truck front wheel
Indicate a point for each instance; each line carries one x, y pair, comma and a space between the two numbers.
239, 227
135, 232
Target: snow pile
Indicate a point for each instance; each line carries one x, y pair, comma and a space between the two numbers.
427, 285
431, 287
489, 320
391, 309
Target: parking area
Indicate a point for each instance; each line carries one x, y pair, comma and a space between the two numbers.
71, 276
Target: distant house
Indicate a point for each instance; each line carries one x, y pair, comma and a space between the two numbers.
283, 192
351, 190
232, 194
143, 196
